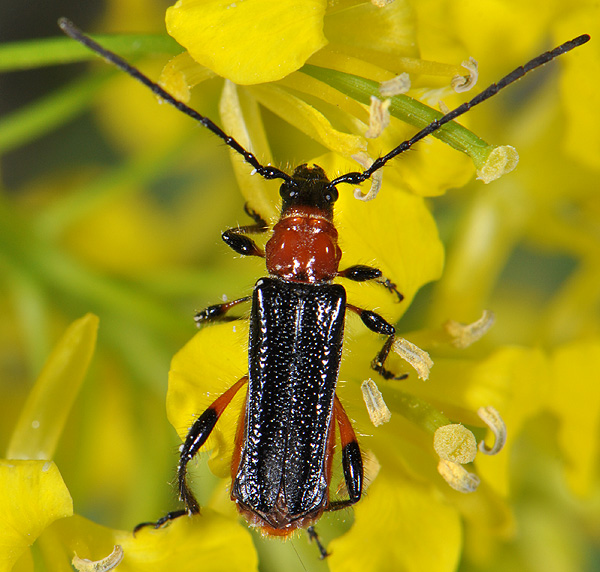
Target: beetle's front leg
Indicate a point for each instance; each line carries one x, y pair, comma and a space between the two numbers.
237, 239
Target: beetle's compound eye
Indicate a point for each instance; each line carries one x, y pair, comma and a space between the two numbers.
288, 191
330, 194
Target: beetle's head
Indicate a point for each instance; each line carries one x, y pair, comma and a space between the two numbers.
308, 187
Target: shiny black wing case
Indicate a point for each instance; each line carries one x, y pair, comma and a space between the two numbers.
295, 348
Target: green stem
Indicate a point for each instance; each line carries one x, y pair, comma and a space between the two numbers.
47, 113
51, 51
126, 178
405, 108
419, 412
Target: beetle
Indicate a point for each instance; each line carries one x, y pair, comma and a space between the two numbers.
282, 461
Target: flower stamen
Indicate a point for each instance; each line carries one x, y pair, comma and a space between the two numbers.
104, 565
492, 419
458, 477
419, 359
395, 86
464, 335
379, 412
455, 443
376, 179
379, 117
456, 446
461, 83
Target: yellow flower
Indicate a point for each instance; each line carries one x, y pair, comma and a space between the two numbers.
37, 509
510, 379
87, 236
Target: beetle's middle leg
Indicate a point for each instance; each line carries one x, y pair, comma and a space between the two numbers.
218, 311
361, 273
379, 325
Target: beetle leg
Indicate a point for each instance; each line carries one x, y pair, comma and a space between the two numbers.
379, 325
361, 273
314, 537
351, 457
217, 311
197, 436
236, 237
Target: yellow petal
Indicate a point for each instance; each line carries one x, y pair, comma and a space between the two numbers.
306, 118
204, 542
33, 496
246, 127
181, 74
250, 41
575, 399
400, 525
372, 33
579, 86
46, 410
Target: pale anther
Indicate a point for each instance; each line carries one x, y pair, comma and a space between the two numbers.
455, 443
376, 179
463, 335
492, 419
458, 477
443, 107
395, 86
500, 161
379, 117
378, 410
104, 565
462, 83
415, 356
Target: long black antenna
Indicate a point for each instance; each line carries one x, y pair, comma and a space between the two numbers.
353, 178
72, 31
356, 178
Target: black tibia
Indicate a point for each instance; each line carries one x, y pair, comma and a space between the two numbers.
353, 471
199, 433
361, 273
379, 325
236, 237
197, 436
217, 311
161, 521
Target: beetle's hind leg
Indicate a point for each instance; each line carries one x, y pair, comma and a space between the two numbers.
314, 537
196, 437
